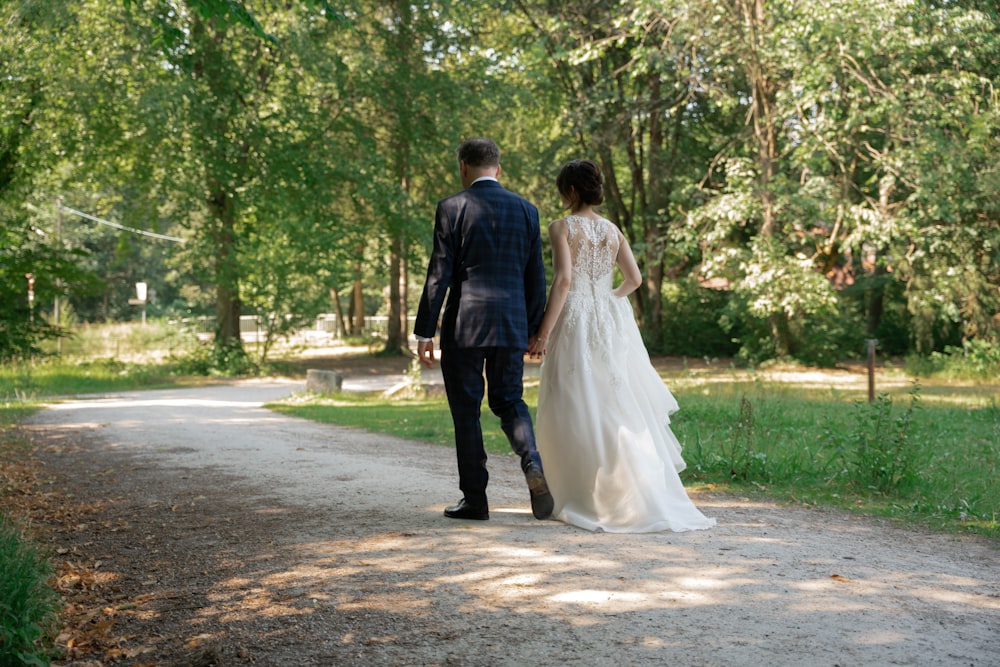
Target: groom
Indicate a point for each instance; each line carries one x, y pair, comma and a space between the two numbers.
487, 256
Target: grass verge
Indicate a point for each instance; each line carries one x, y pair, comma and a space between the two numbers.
54, 377
28, 602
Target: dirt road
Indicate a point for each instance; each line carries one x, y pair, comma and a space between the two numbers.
213, 532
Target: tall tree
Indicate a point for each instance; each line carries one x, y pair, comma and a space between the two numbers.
36, 123
634, 94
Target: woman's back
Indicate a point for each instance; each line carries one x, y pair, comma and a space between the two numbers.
594, 244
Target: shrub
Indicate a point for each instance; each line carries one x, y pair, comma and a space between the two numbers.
28, 604
219, 360
691, 316
976, 359
877, 454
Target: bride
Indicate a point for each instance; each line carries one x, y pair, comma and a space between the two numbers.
603, 425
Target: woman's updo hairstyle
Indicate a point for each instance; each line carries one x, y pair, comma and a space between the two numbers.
584, 178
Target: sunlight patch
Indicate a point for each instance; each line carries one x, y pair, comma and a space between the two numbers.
598, 597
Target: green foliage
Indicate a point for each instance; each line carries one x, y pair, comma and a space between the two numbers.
975, 359
878, 453
219, 360
28, 603
828, 166
784, 309
692, 321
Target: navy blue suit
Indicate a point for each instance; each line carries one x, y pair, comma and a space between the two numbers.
487, 258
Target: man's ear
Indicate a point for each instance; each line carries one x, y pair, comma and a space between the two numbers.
498, 171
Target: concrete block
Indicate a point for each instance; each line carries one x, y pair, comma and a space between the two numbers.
323, 382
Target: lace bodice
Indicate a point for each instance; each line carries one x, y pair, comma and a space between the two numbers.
593, 247
592, 315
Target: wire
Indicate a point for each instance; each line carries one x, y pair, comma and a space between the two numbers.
122, 227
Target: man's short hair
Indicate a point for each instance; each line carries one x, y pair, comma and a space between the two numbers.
479, 152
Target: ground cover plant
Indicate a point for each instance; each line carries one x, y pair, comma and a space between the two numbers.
54, 377
917, 454
28, 602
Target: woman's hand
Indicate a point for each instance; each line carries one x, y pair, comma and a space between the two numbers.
537, 346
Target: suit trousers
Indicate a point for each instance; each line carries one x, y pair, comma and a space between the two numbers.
464, 383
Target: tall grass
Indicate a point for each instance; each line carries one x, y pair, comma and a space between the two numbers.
28, 604
102, 358
899, 456
932, 462
156, 341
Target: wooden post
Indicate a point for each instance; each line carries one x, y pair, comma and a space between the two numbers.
56, 314
870, 343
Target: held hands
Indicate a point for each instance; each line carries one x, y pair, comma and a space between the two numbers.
537, 346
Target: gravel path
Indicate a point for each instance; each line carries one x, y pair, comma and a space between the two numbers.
227, 534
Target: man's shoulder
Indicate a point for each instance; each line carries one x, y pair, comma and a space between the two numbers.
500, 191
488, 189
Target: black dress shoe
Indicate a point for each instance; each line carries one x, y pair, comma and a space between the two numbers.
541, 499
464, 510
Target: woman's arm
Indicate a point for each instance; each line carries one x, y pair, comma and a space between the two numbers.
629, 268
562, 264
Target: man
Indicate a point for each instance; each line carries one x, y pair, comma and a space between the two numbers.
488, 257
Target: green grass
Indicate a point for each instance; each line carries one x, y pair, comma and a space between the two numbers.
922, 455
28, 603
155, 341
67, 377
904, 456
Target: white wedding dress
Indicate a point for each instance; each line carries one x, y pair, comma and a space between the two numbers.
603, 425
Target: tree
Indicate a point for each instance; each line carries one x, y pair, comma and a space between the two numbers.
33, 84
636, 99
833, 179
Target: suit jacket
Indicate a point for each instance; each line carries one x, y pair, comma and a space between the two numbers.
487, 256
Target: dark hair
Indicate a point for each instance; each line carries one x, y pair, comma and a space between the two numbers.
479, 152
583, 177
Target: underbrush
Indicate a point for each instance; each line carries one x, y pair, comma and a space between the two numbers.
897, 456
974, 360
28, 603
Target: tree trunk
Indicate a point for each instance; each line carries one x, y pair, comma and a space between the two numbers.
358, 302
764, 93
227, 299
208, 67
339, 310
404, 300
395, 340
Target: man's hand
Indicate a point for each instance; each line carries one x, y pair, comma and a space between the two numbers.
425, 352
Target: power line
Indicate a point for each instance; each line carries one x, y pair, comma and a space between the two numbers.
121, 227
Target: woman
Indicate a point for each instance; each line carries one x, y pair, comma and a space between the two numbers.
603, 425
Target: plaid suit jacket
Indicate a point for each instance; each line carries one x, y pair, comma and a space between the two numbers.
487, 257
